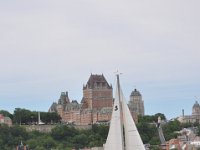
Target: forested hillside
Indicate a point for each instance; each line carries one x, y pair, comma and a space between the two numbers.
66, 137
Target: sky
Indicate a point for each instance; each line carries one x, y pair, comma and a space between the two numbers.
48, 47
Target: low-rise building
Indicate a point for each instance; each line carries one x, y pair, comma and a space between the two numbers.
194, 117
5, 120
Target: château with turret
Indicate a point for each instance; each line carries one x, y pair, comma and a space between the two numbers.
96, 104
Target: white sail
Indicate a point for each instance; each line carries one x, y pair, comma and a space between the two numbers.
115, 136
133, 140
121, 117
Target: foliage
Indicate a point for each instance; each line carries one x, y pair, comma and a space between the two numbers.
24, 116
21, 116
155, 147
150, 119
6, 114
170, 128
61, 137
147, 131
80, 138
50, 117
147, 128
66, 137
63, 132
11, 136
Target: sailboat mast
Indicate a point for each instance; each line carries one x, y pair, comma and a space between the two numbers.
122, 119
115, 135
121, 111
118, 85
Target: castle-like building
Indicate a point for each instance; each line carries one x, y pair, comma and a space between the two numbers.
96, 104
194, 117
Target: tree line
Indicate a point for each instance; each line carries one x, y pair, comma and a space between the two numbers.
66, 137
25, 117
62, 137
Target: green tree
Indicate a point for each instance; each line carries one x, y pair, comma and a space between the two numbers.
102, 130
170, 128
80, 141
63, 132
50, 117
6, 114
5, 135
151, 119
22, 116
148, 132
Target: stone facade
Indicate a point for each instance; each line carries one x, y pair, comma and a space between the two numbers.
97, 93
95, 106
194, 117
5, 120
136, 104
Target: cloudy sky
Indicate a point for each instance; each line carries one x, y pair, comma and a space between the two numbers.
49, 46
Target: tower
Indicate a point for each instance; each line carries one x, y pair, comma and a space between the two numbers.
196, 109
136, 104
64, 99
97, 93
